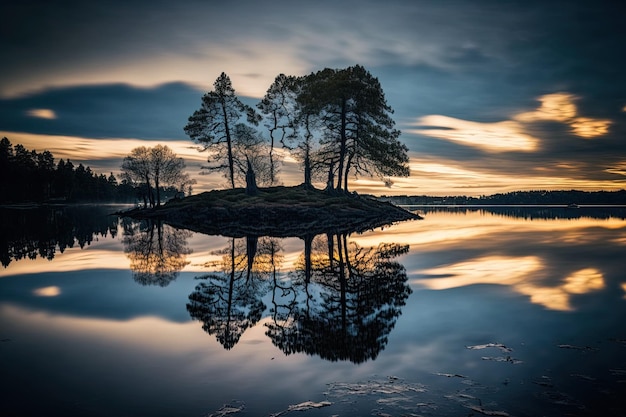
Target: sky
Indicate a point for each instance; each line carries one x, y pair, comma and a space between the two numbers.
490, 96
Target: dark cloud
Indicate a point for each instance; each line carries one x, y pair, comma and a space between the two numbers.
105, 111
482, 61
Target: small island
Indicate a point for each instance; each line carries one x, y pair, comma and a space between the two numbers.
275, 211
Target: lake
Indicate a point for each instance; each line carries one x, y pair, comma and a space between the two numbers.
500, 311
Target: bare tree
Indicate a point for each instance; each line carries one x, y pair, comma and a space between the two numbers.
136, 170
155, 167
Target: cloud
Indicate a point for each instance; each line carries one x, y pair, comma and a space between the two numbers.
103, 111
491, 137
193, 41
512, 135
560, 107
42, 113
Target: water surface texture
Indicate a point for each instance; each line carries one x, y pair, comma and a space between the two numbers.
471, 311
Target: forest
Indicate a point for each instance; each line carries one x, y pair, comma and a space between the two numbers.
31, 176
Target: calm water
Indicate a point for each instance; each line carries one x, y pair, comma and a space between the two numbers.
508, 312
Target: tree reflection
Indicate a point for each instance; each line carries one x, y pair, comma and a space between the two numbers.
157, 251
42, 232
229, 302
342, 302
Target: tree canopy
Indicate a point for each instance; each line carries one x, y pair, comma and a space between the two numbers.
213, 123
149, 169
357, 132
335, 121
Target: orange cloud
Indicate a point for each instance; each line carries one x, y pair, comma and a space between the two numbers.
42, 113
492, 137
560, 107
510, 135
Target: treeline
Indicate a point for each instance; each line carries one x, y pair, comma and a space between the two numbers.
564, 197
28, 175
31, 176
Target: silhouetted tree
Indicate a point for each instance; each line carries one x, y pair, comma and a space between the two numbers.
212, 125
136, 170
28, 175
357, 133
278, 108
167, 169
250, 157
149, 169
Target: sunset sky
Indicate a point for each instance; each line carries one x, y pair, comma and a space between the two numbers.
490, 96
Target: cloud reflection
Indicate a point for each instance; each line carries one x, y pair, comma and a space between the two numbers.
521, 273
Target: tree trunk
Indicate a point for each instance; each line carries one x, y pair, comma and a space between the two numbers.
229, 143
345, 175
251, 248
307, 172
156, 187
331, 179
343, 139
251, 187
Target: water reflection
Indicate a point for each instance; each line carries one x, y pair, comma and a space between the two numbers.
341, 301
550, 291
536, 212
230, 301
157, 251
44, 231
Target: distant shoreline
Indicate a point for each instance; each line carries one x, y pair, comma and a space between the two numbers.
515, 205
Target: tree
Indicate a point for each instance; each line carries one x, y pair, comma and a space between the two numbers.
136, 169
278, 108
212, 125
167, 169
357, 132
158, 166
250, 156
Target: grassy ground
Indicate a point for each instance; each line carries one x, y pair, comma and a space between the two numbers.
276, 211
